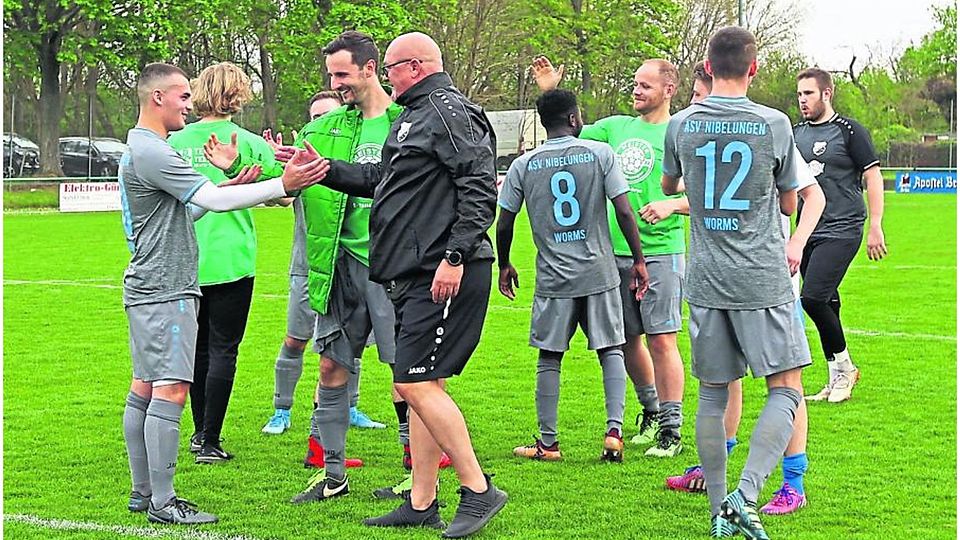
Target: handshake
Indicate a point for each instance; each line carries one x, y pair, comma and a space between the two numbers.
304, 166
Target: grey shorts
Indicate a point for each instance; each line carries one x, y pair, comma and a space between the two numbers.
555, 320
659, 312
724, 342
163, 339
301, 319
356, 307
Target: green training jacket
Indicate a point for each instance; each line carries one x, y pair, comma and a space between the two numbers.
334, 135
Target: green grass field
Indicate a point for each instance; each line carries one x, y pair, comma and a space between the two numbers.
882, 465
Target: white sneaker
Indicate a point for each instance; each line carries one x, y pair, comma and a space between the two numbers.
843, 386
823, 394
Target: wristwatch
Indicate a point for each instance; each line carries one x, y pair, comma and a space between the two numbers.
453, 257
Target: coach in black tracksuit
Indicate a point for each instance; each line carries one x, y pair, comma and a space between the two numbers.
434, 197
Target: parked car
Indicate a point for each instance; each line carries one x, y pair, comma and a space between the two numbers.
99, 156
25, 156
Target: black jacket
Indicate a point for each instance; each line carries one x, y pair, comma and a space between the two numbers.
435, 187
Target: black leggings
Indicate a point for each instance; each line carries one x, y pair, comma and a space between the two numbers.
824, 264
222, 321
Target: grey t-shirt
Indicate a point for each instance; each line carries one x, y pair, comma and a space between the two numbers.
566, 183
156, 185
838, 152
298, 253
735, 157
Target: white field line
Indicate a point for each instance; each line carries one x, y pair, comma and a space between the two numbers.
810, 328
854, 331
89, 284
121, 530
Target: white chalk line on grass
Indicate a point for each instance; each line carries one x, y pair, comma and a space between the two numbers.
91, 283
124, 530
855, 331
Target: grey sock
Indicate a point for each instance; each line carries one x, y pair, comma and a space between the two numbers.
711, 442
769, 439
403, 430
647, 396
161, 432
134, 414
614, 386
671, 416
548, 394
287, 373
314, 426
333, 419
353, 386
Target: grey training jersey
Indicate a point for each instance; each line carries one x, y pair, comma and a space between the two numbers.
156, 184
298, 253
734, 156
838, 152
566, 183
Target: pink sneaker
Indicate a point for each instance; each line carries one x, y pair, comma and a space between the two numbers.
786, 500
690, 481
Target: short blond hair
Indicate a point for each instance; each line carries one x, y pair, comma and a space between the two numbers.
221, 89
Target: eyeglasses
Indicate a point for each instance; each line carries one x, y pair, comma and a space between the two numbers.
385, 69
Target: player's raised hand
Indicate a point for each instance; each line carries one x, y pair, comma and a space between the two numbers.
275, 142
508, 280
876, 245
304, 170
221, 155
639, 279
246, 176
544, 74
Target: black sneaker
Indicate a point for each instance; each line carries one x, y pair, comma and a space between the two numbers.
179, 512
321, 488
475, 510
213, 453
406, 516
196, 442
138, 502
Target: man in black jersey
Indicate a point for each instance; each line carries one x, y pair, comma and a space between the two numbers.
841, 156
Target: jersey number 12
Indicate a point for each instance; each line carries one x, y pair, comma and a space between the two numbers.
709, 153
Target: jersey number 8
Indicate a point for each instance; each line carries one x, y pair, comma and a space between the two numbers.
564, 199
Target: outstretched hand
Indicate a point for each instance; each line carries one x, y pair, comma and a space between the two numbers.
221, 155
304, 169
546, 77
247, 175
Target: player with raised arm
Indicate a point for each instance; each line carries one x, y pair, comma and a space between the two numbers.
566, 184
739, 169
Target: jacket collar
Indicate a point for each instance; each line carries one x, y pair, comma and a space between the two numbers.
424, 87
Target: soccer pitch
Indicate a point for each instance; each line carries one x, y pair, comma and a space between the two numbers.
881, 465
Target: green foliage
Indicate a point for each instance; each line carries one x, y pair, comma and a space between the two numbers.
776, 82
936, 56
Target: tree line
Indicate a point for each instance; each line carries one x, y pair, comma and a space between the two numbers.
73, 64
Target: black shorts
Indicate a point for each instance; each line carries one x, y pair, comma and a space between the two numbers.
434, 341
825, 262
